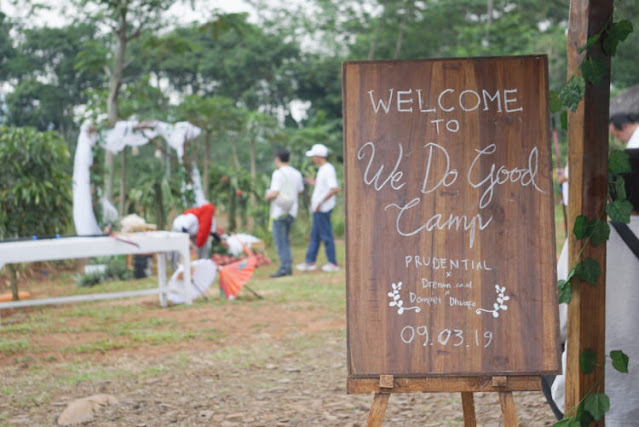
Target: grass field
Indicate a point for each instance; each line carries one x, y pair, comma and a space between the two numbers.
280, 360
121, 325
51, 354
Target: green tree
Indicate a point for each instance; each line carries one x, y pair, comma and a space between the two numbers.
624, 63
259, 128
145, 101
178, 57
220, 121
47, 85
154, 192
128, 19
319, 81
35, 189
229, 57
7, 50
230, 187
36, 104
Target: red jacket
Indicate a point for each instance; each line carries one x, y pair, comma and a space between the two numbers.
204, 216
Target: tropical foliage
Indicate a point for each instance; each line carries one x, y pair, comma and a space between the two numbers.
35, 187
251, 82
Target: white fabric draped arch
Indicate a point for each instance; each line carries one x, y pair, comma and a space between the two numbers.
125, 133
83, 216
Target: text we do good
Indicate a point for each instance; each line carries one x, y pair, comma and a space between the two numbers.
478, 176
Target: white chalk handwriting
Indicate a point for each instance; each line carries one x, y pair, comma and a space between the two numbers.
449, 337
439, 263
440, 221
393, 177
525, 176
446, 177
412, 101
486, 179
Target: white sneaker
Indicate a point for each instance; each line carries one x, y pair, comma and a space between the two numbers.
330, 267
306, 267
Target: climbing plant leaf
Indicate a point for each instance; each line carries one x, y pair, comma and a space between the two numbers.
581, 227
573, 92
589, 271
618, 162
619, 210
565, 292
600, 232
594, 70
620, 188
588, 361
617, 33
583, 416
597, 404
591, 40
567, 422
619, 361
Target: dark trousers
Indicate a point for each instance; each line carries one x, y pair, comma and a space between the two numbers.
281, 236
321, 231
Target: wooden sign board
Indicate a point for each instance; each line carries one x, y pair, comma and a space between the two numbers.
450, 226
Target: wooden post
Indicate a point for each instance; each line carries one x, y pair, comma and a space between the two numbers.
468, 406
385, 385
378, 409
508, 408
587, 157
380, 402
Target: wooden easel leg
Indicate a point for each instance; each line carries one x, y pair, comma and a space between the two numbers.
508, 408
468, 406
378, 409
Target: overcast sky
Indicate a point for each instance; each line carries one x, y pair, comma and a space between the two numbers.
180, 12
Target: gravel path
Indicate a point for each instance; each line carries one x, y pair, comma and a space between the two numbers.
295, 381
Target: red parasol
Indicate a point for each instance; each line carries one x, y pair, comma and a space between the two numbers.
235, 275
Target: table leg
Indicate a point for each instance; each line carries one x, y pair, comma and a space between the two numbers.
187, 276
162, 278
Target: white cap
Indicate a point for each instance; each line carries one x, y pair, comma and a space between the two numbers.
318, 150
186, 223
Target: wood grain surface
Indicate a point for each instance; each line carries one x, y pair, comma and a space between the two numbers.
449, 218
588, 159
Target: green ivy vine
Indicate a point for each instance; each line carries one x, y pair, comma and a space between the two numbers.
594, 231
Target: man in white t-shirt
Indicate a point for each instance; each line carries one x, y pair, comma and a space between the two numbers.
286, 185
322, 204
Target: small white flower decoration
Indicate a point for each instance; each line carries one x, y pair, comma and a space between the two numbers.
500, 304
397, 301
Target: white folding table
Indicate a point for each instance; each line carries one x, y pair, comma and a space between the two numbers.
159, 242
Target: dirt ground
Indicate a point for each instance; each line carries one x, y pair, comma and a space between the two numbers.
266, 363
